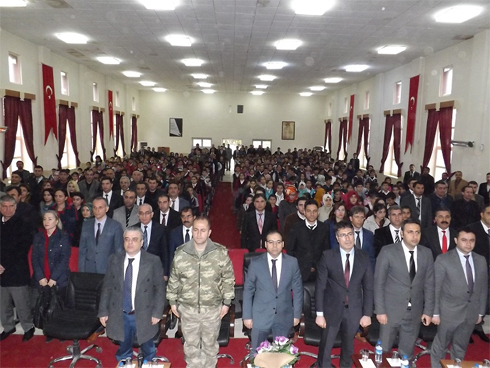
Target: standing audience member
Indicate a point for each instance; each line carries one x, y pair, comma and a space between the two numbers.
167, 216
440, 238
465, 210
127, 215
181, 234
326, 208
47, 202
378, 219
456, 186
113, 199
419, 204
257, 224
293, 218
440, 198
393, 232
89, 186
66, 212
484, 189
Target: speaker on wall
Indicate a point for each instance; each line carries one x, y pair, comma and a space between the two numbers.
239, 109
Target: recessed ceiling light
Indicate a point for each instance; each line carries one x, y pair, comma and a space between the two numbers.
257, 93
147, 83
159, 89
312, 7
159, 4
317, 88
204, 84
131, 74
458, 14
288, 44
72, 38
13, 3
208, 91
261, 86
179, 40
356, 68
391, 49
332, 80
305, 94
266, 77
199, 76
275, 65
109, 60
192, 62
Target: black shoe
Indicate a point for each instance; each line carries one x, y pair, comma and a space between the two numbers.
6, 334
28, 335
481, 335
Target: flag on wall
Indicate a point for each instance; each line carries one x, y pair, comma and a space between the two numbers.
412, 110
111, 114
49, 103
351, 117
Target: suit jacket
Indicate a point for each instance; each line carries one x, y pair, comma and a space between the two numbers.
430, 238
116, 202
367, 245
482, 245
95, 258
182, 203
176, 240
407, 176
465, 213
382, 237
149, 300
455, 190
484, 192
437, 203
308, 245
261, 301
453, 302
158, 244
120, 216
173, 220
91, 193
393, 289
36, 195
426, 209
251, 237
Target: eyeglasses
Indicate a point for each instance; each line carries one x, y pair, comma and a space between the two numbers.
345, 235
274, 242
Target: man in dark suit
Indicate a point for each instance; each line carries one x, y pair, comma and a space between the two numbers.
183, 233
89, 187
482, 231
101, 236
344, 295
419, 205
257, 224
484, 190
411, 174
293, 218
273, 292
176, 202
29, 214
133, 297
461, 291
428, 181
307, 240
440, 238
389, 234
167, 216
151, 195
35, 183
465, 210
113, 199
404, 289
440, 198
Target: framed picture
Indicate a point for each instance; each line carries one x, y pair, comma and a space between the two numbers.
288, 130
175, 126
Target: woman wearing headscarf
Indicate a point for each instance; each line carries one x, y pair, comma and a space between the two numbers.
325, 210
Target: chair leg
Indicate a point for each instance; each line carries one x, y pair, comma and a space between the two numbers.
311, 355
77, 355
160, 359
232, 361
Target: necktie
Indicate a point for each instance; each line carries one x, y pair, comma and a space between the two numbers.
444, 241
412, 266
261, 223
128, 215
274, 274
173, 202
311, 227
97, 234
145, 238
187, 236
163, 219
418, 207
107, 198
469, 274
397, 236
128, 282
358, 239
347, 277
141, 202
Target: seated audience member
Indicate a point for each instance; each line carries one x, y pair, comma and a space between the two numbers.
465, 210
66, 212
378, 219
440, 238
419, 204
392, 233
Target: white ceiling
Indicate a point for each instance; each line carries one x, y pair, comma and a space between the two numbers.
235, 37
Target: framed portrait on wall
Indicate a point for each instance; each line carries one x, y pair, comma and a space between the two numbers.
175, 127
288, 130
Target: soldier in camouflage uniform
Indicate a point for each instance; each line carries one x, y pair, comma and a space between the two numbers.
200, 290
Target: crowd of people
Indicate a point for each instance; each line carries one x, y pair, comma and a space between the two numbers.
372, 247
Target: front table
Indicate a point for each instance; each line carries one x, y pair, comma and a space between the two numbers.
465, 363
383, 364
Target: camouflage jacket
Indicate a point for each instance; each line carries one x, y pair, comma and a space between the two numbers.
205, 281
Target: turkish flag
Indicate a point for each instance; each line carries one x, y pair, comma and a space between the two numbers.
111, 114
49, 103
351, 116
412, 110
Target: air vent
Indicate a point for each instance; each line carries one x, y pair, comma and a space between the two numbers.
75, 53
462, 37
58, 4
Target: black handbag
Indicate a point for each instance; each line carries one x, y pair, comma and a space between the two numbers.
42, 305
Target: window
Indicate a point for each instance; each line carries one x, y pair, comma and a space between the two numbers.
95, 92
329, 109
266, 143
202, 142
446, 81
20, 153
397, 98
64, 84
392, 168
15, 73
366, 100
133, 104
116, 98
436, 163
68, 161
346, 105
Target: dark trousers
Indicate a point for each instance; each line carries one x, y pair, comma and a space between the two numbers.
280, 327
126, 347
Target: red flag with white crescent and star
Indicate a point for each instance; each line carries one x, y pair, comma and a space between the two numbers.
412, 110
49, 103
351, 117
111, 114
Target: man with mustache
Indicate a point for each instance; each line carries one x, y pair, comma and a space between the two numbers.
183, 233
440, 238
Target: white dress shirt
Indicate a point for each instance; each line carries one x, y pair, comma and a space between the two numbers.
102, 224
440, 234
148, 231
176, 204
393, 233
184, 232
278, 266
166, 217
406, 251
136, 269
107, 196
463, 264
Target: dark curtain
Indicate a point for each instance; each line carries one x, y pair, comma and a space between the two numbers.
25, 118
134, 134
363, 135
397, 132
328, 136
70, 115
101, 134
386, 141
342, 138
445, 127
430, 135
121, 129
119, 134
367, 130
95, 123
11, 110
62, 116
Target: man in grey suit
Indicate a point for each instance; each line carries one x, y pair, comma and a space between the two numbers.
420, 206
101, 237
273, 292
176, 202
460, 297
127, 215
404, 289
133, 297
89, 187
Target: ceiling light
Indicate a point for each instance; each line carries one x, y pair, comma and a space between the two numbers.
208, 91
159, 89
199, 76
131, 74
12, 3
317, 88
204, 84
356, 68
109, 60
332, 80
312, 7
458, 14
159, 4
266, 77
275, 65
391, 49
147, 83
192, 62
257, 93
71, 37
261, 86
179, 40
288, 44
305, 94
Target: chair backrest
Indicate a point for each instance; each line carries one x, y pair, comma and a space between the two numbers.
247, 258
309, 305
74, 259
83, 291
236, 256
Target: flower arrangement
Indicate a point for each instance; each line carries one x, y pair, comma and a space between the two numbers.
281, 351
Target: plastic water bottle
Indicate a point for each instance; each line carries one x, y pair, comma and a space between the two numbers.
404, 363
378, 353
145, 364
